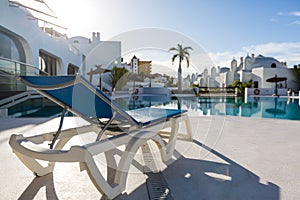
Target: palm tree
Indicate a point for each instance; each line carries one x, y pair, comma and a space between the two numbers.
119, 77
182, 54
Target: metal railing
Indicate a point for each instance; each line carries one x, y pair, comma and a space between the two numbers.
10, 69
7, 63
19, 98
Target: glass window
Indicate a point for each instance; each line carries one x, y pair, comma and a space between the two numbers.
48, 64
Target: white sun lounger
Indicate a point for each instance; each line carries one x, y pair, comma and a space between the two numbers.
77, 95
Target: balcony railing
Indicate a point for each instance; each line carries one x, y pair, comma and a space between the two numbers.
10, 69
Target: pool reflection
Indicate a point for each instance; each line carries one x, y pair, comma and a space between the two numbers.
260, 107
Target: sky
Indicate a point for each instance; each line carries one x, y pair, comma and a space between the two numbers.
224, 29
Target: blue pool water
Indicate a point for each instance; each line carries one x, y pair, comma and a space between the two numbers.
259, 107
35, 108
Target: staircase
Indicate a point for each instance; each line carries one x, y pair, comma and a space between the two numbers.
16, 99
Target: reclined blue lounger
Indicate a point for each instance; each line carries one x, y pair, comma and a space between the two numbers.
77, 95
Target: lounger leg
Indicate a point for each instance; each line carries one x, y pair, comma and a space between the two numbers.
111, 166
174, 134
110, 190
59, 128
188, 135
127, 157
34, 165
189, 132
172, 140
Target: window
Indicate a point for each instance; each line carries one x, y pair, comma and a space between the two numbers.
12, 49
72, 69
47, 63
255, 84
273, 65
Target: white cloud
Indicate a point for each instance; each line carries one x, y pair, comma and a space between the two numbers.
280, 13
161, 63
166, 67
223, 59
273, 20
286, 51
296, 22
295, 13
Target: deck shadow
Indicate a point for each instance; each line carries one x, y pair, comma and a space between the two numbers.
8, 123
201, 179
36, 184
191, 179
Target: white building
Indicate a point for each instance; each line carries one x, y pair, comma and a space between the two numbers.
127, 66
23, 40
27, 48
106, 54
255, 68
135, 65
140, 66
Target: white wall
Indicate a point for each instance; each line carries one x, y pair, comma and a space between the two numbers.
14, 21
104, 53
266, 73
222, 78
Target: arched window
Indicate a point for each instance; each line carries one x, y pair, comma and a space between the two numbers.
11, 50
47, 63
273, 65
8, 48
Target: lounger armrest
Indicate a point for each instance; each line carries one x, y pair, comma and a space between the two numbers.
21, 145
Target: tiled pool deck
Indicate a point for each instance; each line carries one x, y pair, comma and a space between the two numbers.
230, 158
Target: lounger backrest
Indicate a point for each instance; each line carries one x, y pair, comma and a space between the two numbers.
77, 94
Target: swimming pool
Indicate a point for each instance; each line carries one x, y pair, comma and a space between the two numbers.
40, 107
259, 107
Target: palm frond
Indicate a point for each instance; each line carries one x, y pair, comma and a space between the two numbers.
186, 53
187, 62
173, 49
179, 46
173, 58
187, 48
182, 53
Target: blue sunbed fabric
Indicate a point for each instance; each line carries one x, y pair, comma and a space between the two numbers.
82, 97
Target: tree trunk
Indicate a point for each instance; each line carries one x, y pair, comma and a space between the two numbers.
179, 78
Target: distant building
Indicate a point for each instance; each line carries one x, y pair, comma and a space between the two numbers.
159, 78
134, 65
140, 66
127, 66
145, 67
255, 68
